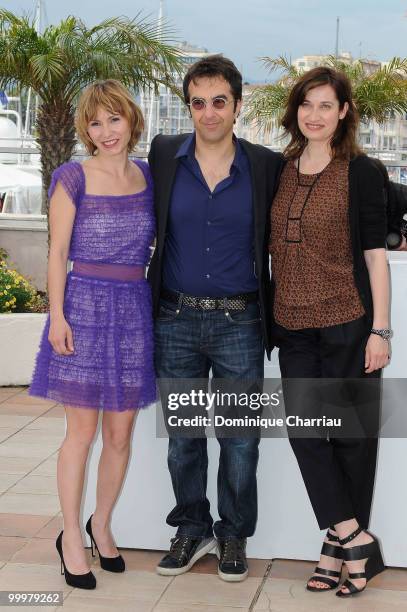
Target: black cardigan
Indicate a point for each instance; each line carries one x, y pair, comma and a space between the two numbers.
367, 220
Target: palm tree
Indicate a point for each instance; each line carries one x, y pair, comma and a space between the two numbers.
59, 63
376, 95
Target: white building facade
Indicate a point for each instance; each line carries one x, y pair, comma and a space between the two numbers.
166, 112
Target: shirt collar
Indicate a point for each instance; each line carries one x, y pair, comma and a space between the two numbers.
187, 149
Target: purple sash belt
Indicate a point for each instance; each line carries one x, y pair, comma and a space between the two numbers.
109, 271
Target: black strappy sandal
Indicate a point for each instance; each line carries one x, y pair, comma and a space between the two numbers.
330, 551
373, 566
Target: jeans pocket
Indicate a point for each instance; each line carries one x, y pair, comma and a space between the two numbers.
249, 316
168, 311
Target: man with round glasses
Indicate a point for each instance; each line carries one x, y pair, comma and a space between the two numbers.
211, 292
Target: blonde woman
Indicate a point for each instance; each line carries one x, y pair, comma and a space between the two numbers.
96, 350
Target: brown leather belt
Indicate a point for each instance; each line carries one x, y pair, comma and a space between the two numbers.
232, 302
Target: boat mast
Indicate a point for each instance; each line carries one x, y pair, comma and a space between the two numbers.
337, 39
153, 100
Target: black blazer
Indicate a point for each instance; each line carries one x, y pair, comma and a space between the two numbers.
265, 168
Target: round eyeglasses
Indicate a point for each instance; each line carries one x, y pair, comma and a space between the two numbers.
218, 103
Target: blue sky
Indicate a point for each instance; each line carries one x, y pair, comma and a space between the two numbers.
249, 29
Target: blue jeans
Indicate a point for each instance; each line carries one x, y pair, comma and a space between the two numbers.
187, 345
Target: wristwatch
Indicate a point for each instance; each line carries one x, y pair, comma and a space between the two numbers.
386, 334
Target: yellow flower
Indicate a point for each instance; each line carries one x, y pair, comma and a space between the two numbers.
4, 292
6, 304
8, 286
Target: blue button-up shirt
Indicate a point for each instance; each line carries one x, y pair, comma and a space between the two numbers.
209, 247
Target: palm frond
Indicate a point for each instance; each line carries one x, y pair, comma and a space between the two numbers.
280, 63
65, 58
266, 104
9, 20
68, 56
376, 95
47, 68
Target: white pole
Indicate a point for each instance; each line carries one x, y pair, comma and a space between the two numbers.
337, 38
38, 11
150, 117
160, 19
27, 114
38, 27
152, 94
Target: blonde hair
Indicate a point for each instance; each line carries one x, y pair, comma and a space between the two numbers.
113, 97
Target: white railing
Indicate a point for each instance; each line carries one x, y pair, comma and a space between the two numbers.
25, 156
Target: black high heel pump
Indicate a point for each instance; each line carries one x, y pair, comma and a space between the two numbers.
110, 564
80, 581
374, 562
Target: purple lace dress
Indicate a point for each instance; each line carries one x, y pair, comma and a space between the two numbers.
107, 302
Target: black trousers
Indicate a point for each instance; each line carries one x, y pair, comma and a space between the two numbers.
338, 472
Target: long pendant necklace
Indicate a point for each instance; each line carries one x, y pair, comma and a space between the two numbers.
293, 227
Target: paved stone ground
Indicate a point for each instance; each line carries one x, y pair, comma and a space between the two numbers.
31, 431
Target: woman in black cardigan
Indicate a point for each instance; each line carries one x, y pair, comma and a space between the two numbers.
330, 313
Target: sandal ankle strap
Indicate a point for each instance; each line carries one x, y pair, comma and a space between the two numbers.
351, 536
332, 538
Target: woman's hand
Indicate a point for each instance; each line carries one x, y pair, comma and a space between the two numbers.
60, 337
403, 245
376, 354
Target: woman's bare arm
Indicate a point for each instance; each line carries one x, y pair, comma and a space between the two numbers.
377, 349
61, 217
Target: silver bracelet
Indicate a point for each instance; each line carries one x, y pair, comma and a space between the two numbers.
386, 334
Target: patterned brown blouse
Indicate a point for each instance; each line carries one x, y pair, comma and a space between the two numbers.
310, 248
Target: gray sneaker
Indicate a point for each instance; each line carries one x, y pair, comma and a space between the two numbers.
183, 553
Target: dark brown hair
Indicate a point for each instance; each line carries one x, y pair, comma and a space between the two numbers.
343, 142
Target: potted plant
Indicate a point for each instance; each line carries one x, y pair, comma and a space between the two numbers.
22, 317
